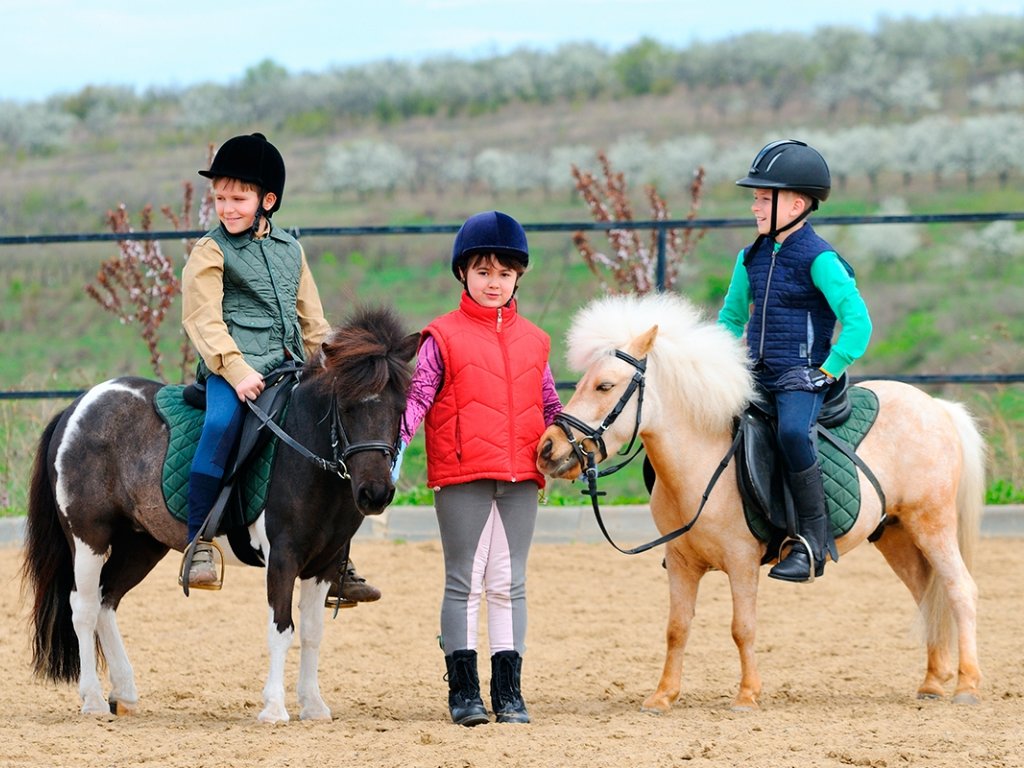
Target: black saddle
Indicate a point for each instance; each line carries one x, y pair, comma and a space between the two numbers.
758, 467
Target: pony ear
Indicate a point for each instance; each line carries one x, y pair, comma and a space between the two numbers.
643, 343
408, 346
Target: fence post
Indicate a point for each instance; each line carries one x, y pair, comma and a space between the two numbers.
661, 258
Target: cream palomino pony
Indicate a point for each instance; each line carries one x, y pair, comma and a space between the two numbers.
926, 453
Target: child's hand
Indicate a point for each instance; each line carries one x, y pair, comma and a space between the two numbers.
250, 387
804, 380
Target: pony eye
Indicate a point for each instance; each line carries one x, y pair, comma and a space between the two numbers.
605, 386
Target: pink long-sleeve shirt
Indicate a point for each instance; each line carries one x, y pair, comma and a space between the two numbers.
427, 380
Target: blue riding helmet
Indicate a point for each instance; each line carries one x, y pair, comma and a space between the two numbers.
489, 232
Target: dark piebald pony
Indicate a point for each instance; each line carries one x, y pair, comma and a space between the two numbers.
98, 524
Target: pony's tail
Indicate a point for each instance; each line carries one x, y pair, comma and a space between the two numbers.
48, 570
970, 499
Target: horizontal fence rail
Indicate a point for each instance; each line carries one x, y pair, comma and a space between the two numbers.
561, 226
661, 226
922, 378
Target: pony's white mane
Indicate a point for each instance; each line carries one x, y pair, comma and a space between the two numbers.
694, 359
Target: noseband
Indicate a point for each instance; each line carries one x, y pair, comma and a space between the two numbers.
349, 449
566, 422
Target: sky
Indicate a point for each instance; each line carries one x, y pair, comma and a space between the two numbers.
55, 47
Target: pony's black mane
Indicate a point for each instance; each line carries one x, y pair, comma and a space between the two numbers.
364, 356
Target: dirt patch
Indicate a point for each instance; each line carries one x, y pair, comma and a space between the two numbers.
839, 661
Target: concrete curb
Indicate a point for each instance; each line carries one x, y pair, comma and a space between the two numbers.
628, 525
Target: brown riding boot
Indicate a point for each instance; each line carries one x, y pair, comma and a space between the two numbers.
203, 573
349, 588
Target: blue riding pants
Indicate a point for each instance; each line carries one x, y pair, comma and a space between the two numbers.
797, 414
221, 428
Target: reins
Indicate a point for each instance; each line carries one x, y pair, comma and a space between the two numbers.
588, 459
336, 464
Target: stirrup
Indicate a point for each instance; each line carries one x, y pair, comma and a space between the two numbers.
186, 562
791, 541
338, 602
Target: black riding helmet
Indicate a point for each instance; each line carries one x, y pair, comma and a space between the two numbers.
790, 164
489, 232
793, 165
251, 159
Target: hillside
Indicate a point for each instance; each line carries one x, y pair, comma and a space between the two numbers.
944, 297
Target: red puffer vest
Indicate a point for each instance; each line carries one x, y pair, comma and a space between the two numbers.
488, 416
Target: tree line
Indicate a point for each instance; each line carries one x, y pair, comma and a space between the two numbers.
905, 69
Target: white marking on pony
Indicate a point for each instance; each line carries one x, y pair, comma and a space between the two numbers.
278, 643
122, 676
311, 632
71, 433
85, 611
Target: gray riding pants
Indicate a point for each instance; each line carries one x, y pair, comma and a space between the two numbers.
486, 531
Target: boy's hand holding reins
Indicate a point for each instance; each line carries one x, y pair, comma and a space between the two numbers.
250, 387
804, 380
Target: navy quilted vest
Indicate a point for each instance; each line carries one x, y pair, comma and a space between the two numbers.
791, 323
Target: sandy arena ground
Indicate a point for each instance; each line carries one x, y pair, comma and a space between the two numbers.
839, 661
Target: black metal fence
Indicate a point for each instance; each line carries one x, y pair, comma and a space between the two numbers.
662, 227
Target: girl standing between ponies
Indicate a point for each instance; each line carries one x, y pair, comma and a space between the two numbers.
485, 390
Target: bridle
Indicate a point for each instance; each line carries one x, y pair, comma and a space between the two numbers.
588, 460
339, 439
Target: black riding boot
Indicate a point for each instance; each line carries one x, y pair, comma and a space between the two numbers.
506, 696
464, 702
813, 527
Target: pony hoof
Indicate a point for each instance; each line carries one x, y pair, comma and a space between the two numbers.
321, 712
273, 715
121, 708
743, 708
966, 698
926, 696
655, 707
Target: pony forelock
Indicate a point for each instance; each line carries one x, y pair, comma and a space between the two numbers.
693, 357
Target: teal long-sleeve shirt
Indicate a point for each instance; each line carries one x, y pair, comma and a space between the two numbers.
840, 291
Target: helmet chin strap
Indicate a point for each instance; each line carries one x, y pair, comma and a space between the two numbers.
775, 230
254, 231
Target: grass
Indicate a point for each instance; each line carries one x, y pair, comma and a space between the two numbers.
937, 310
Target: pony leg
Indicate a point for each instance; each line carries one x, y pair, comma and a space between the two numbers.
311, 622
683, 581
85, 610
132, 557
124, 697
743, 586
914, 570
281, 575
278, 643
953, 590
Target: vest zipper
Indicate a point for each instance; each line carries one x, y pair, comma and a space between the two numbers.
764, 306
511, 399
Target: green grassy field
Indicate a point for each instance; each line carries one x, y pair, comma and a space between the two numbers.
933, 314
